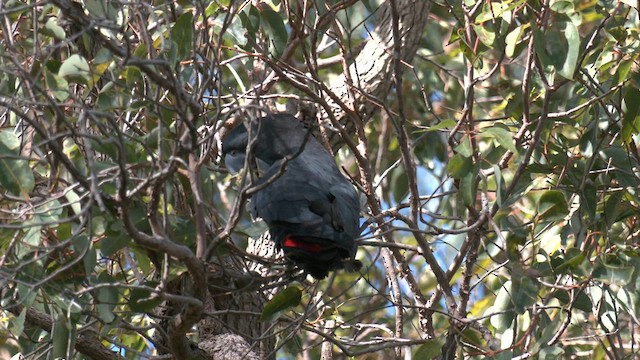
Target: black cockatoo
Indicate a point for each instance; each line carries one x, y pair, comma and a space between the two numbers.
311, 210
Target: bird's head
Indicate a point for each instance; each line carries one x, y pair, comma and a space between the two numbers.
272, 138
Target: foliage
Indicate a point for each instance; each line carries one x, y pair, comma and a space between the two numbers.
499, 176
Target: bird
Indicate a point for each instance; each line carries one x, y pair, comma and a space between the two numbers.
312, 211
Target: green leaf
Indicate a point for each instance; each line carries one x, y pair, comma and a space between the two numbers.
52, 29
524, 292
502, 136
63, 336
552, 206
275, 29
581, 301
429, 350
464, 148
250, 19
57, 85
142, 260
547, 329
558, 47
49, 212
75, 69
107, 298
144, 300
9, 142
468, 186
512, 40
182, 35
631, 118
613, 271
573, 258
109, 245
550, 353
459, 166
562, 6
444, 124
400, 187
486, 34
101, 9
16, 324
613, 208
15, 174
503, 307
211, 9
282, 301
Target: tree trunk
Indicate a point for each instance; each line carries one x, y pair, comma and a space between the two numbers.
370, 77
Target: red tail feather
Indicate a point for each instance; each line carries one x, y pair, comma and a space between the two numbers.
291, 242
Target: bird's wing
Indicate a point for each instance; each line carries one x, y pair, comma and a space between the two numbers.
310, 204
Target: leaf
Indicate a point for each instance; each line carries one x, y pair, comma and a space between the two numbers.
464, 148
63, 338
49, 212
15, 174
627, 299
613, 208
581, 301
75, 69
250, 18
144, 300
52, 29
573, 258
588, 199
57, 85
625, 164
485, 34
182, 35
399, 184
468, 186
429, 350
107, 298
101, 9
459, 165
282, 301
558, 47
444, 124
562, 6
211, 9
550, 353
9, 142
524, 292
502, 136
552, 206
612, 270
275, 29
16, 324
512, 40
472, 336
142, 260
503, 308
111, 244
631, 118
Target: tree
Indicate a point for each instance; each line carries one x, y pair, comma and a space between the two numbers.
493, 145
